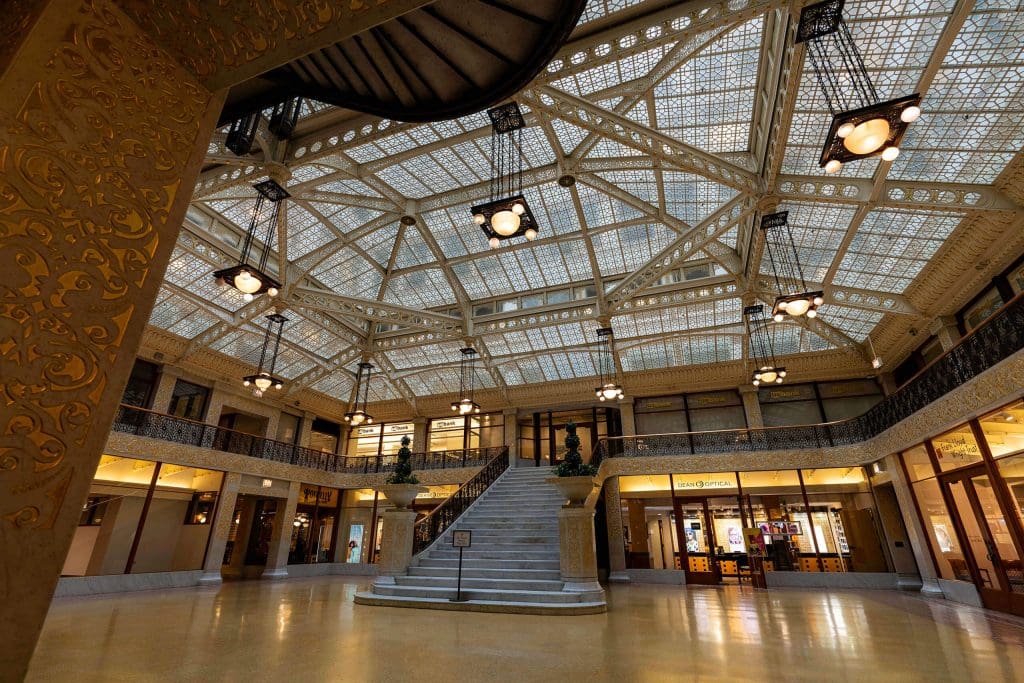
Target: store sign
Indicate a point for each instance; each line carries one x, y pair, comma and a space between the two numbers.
368, 431
400, 428
454, 423
691, 484
308, 496
957, 448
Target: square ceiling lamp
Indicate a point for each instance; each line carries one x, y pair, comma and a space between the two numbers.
506, 214
359, 416
264, 377
248, 279
862, 126
795, 298
467, 383
762, 351
609, 390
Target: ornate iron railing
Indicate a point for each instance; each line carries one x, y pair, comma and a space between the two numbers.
430, 528
141, 422
1000, 337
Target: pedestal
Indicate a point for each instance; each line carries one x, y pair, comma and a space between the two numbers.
578, 552
395, 545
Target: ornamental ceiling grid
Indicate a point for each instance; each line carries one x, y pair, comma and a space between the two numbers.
705, 100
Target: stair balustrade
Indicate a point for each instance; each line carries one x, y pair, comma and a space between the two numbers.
430, 528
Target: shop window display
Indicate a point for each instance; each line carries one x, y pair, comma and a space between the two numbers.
1004, 429
956, 448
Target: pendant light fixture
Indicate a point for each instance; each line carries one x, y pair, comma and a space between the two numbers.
467, 378
506, 214
862, 126
762, 351
609, 390
248, 279
794, 297
284, 117
264, 377
876, 360
242, 133
359, 415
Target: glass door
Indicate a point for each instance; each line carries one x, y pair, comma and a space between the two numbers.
696, 538
991, 557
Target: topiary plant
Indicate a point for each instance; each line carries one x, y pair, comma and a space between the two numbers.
573, 465
403, 469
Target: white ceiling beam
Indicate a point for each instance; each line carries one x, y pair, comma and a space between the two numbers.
375, 311
902, 194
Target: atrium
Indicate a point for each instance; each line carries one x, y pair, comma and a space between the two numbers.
662, 331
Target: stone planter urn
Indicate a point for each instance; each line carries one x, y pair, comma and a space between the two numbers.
575, 489
401, 495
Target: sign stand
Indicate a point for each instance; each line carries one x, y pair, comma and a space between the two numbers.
460, 540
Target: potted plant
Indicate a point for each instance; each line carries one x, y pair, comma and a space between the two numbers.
402, 486
575, 478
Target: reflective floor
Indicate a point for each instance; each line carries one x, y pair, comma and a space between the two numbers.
309, 629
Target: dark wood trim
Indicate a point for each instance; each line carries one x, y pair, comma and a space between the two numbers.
1007, 504
958, 525
142, 519
810, 520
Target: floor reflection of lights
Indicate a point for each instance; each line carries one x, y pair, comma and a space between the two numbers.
310, 628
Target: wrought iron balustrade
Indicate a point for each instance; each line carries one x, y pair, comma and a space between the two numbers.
1000, 337
430, 528
141, 422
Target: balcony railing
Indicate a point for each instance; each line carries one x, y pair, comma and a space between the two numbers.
430, 528
999, 338
141, 422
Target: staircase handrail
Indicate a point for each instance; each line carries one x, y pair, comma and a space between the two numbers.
441, 518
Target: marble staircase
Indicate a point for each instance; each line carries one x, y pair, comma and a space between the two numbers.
512, 566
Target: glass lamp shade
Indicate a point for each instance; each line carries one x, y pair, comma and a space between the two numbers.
767, 374
867, 137
465, 406
910, 114
797, 307
263, 382
833, 166
246, 283
505, 223
357, 418
531, 234
493, 242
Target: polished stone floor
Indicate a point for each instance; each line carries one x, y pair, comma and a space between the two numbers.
309, 630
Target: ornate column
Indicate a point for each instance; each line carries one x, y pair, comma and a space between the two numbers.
246, 516
616, 540
103, 136
165, 388
419, 434
396, 539
946, 330
306, 428
627, 416
916, 534
751, 406
281, 537
220, 528
510, 420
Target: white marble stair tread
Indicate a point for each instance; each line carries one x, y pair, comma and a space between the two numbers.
506, 595
540, 608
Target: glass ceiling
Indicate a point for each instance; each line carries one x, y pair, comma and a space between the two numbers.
535, 306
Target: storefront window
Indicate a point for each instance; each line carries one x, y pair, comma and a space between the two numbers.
662, 415
716, 410
785, 405
1012, 471
989, 303
1004, 429
956, 448
919, 465
941, 533
288, 428
391, 440
324, 436
358, 507
770, 481
176, 528
486, 430
189, 400
447, 434
313, 529
845, 400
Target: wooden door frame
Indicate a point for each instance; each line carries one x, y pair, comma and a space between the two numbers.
713, 577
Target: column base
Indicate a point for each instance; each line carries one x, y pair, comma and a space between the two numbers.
619, 577
272, 574
210, 579
590, 591
931, 588
385, 581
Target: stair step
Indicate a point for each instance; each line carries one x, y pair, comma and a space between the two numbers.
484, 539
479, 573
476, 563
478, 594
517, 554
473, 582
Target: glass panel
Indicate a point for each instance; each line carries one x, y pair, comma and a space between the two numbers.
724, 482
643, 482
1007, 551
980, 311
1012, 471
713, 419
188, 400
366, 441
835, 479
956, 448
393, 434
941, 535
791, 413
1004, 429
919, 465
779, 481
288, 428
661, 423
974, 536
447, 434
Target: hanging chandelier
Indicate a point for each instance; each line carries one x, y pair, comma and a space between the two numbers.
242, 133
762, 350
609, 390
264, 377
795, 298
467, 376
359, 415
506, 214
251, 280
862, 126
284, 117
